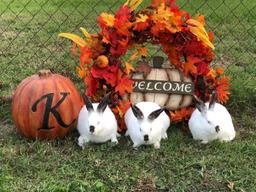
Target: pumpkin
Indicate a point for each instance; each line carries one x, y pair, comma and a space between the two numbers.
46, 106
162, 72
102, 61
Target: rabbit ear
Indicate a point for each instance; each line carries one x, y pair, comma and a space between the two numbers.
88, 103
213, 100
200, 105
103, 104
137, 112
152, 116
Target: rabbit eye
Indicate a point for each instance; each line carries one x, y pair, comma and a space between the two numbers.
209, 122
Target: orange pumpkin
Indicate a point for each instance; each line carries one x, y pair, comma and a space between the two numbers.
102, 61
46, 106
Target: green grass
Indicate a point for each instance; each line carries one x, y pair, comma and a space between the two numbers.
180, 165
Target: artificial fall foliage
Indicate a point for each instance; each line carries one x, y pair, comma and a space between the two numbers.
184, 40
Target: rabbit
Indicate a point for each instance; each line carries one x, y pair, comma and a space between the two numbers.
96, 123
211, 121
146, 124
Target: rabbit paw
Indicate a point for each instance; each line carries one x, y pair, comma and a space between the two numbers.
165, 136
157, 145
82, 141
135, 145
204, 141
114, 140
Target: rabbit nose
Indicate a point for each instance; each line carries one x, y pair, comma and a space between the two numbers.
92, 128
145, 137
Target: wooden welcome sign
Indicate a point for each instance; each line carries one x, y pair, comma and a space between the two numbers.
162, 84
166, 87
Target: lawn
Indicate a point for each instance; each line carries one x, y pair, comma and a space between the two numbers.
29, 42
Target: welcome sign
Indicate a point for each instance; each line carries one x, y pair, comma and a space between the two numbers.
166, 87
161, 83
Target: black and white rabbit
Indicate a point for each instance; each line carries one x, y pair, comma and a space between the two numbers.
211, 121
147, 124
96, 123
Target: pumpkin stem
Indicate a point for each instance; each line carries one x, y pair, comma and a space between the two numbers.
44, 73
158, 61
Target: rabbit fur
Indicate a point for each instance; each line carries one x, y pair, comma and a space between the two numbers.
96, 123
211, 121
146, 123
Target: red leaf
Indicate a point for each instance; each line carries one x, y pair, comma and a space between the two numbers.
123, 12
202, 68
141, 26
173, 55
157, 28
92, 85
109, 74
118, 51
125, 85
122, 23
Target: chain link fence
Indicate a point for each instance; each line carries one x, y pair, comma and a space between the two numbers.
29, 38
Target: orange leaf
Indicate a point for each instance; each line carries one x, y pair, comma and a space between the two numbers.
219, 71
211, 74
141, 22
128, 68
182, 114
122, 107
157, 3
85, 33
133, 4
211, 36
141, 26
197, 28
124, 85
223, 90
141, 18
134, 56
81, 72
85, 56
201, 19
143, 51
119, 74
75, 38
189, 65
139, 52
162, 13
109, 19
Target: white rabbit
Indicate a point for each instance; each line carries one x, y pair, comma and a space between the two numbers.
211, 121
96, 123
146, 124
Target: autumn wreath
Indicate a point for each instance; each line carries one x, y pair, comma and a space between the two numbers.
104, 67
